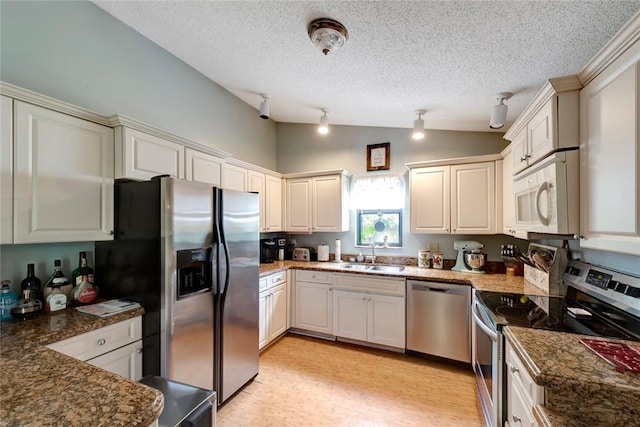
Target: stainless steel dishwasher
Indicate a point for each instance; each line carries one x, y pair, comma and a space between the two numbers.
438, 319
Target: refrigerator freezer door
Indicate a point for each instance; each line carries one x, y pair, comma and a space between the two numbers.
187, 326
239, 298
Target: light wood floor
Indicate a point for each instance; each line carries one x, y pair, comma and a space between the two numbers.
309, 382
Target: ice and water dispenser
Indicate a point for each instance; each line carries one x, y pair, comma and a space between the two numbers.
194, 271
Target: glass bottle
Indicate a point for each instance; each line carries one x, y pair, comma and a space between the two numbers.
82, 270
8, 300
58, 277
32, 283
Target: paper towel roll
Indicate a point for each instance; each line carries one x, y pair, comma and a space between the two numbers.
338, 257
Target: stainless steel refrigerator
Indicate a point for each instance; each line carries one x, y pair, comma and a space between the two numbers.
189, 253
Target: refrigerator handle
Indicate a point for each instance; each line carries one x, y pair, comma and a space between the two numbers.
225, 248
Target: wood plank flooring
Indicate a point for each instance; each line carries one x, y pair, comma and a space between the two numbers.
310, 382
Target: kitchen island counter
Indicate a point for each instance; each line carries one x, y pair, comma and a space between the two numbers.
481, 282
580, 387
40, 387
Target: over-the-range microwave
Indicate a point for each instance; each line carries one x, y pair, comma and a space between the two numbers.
547, 195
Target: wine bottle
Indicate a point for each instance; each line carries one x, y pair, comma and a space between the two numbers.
58, 277
32, 283
83, 269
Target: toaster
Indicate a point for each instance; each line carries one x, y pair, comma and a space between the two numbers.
302, 254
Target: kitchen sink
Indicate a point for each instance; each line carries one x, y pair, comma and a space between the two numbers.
369, 267
387, 268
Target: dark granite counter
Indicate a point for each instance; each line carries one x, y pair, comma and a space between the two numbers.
41, 387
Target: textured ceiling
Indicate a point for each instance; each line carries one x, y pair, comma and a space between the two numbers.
447, 57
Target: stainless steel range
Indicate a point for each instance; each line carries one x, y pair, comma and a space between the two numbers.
598, 302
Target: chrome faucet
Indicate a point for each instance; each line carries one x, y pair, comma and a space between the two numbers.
373, 253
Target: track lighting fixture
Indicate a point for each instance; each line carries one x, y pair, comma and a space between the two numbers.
323, 128
418, 126
264, 106
499, 112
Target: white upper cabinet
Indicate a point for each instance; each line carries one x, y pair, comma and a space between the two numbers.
142, 156
63, 177
6, 170
203, 167
317, 204
461, 198
473, 198
507, 191
430, 200
234, 178
610, 157
549, 123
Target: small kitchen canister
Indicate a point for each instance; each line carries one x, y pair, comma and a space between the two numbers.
423, 258
438, 261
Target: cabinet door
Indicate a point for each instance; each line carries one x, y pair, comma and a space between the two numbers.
350, 315
314, 307
234, 178
257, 184
203, 167
610, 158
473, 198
327, 204
430, 195
386, 320
273, 204
125, 361
519, 152
507, 193
277, 311
263, 316
542, 132
6, 170
143, 156
298, 212
63, 177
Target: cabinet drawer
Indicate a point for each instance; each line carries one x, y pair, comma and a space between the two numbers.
263, 284
276, 279
313, 276
125, 361
358, 282
92, 344
518, 373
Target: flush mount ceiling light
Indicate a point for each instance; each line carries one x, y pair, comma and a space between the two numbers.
264, 106
418, 125
499, 112
327, 34
323, 128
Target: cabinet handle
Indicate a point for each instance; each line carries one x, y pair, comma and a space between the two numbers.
523, 159
138, 351
369, 299
514, 369
101, 341
516, 419
111, 233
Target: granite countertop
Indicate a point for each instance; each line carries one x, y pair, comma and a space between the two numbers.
481, 282
40, 387
575, 378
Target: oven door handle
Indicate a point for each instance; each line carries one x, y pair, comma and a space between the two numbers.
476, 318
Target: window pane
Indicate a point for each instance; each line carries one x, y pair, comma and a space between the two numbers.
374, 225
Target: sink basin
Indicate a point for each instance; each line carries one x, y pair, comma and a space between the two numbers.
360, 267
387, 268
369, 267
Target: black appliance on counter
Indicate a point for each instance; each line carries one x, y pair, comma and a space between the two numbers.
598, 302
267, 251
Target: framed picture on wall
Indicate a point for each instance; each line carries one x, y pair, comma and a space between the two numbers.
378, 156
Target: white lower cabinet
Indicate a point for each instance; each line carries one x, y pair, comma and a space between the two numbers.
377, 319
313, 301
272, 308
116, 348
523, 394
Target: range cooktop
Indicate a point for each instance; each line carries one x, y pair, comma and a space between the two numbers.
598, 302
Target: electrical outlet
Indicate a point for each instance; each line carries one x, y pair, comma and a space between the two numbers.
434, 247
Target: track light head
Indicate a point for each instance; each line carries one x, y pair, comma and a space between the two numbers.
418, 126
264, 106
499, 111
323, 128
